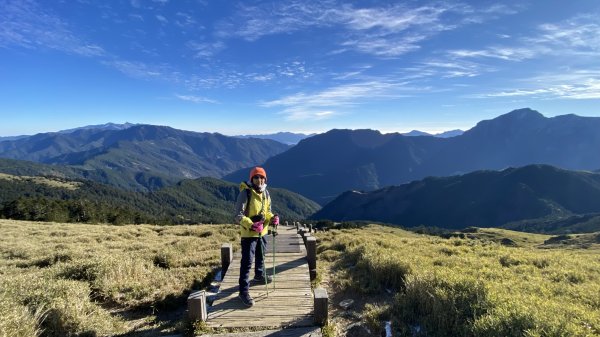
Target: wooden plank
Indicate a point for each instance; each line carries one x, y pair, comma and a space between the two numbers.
289, 301
292, 332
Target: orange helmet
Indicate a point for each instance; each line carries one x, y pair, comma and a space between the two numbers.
258, 171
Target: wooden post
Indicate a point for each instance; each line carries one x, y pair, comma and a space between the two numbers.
305, 236
311, 256
226, 255
321, 299
197, 306
311, 228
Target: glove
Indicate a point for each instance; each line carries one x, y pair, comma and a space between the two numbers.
275, 220
258, 226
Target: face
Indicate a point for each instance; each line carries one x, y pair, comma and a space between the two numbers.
258, 180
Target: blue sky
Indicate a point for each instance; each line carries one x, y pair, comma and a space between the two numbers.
301, 66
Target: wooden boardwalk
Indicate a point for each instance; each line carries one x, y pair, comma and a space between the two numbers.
289, 302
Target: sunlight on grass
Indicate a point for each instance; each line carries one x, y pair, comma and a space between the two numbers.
466, 287
70, 279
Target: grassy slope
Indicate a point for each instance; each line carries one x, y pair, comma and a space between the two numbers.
461, 287
73, 279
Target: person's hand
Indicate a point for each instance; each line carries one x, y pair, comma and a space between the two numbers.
275, 220
258, 226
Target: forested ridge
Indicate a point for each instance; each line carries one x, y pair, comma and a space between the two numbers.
203, 200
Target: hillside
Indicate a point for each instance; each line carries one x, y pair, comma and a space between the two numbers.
481, 199
416, 285
203, 200
325, 165
142, 157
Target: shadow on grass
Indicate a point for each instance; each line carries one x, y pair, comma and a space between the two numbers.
163, 318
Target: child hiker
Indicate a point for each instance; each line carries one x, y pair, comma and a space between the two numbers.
253, 213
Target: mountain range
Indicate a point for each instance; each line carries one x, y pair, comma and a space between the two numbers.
532, 194
445, 134
114, 159
142, 157
288, 138
325, 165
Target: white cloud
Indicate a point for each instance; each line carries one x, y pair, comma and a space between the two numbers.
436, 68
384, 31
195, 99
228, 77
184, 20
327, 103
162, 19
503, 53
588, 89
25, 25
384, 46
576, 36
135, 3
137, 17
205, 50
141, 70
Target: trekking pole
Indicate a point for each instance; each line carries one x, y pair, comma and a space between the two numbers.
274, 250
262, 249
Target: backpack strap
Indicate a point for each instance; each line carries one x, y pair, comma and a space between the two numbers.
248, 196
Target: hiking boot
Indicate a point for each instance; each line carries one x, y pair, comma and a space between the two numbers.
261, 279
246, 299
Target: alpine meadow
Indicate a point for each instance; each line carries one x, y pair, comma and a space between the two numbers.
299, 168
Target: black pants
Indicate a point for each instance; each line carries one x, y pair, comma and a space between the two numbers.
252, 249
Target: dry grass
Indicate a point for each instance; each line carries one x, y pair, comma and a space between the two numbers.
52, 182
101, 280
462, 287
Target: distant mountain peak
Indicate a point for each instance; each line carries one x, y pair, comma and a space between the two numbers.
521, 114
416, 133
107, 126
289, 138
445, 134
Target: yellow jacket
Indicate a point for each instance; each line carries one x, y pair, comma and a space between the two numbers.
260, 203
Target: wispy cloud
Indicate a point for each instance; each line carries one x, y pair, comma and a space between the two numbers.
331, 101
205, 50
195, 99
385, 47
503, 53
577, 36
184, 20
574, 85
445, 69
228, 77
162, 19
25, 25
141, 70
383, 31
253, 22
